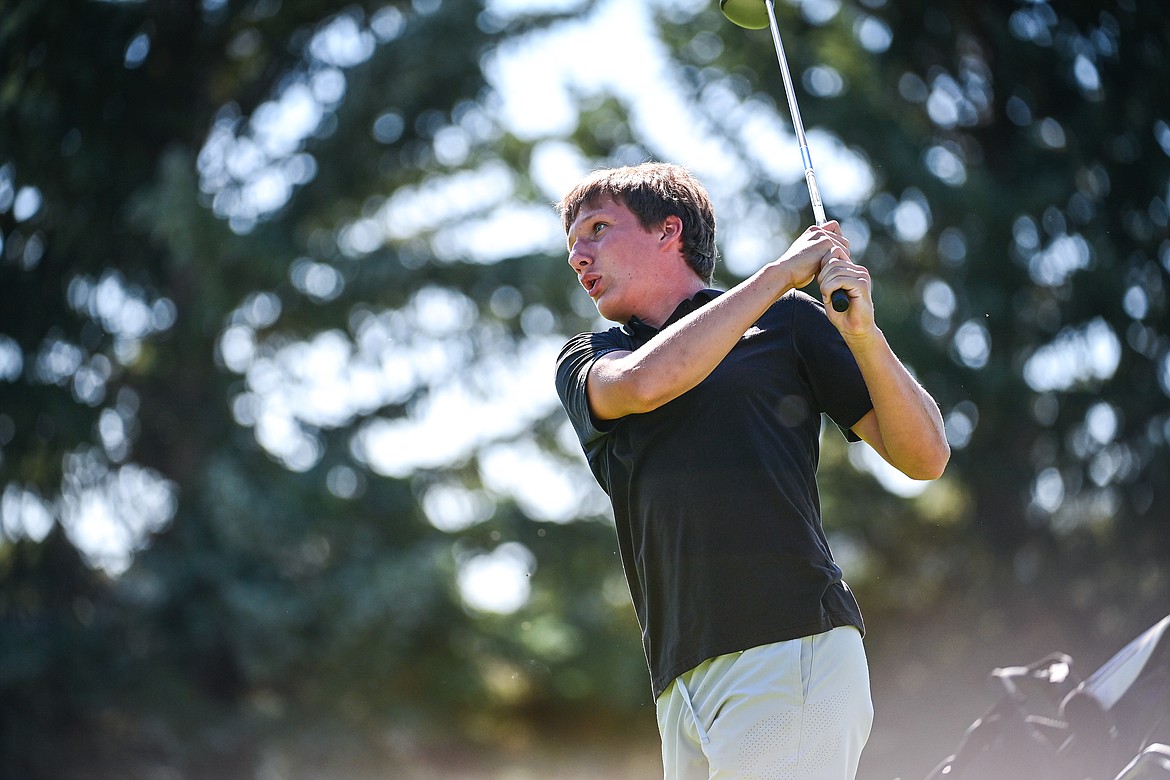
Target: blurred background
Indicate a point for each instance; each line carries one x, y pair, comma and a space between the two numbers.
285, 489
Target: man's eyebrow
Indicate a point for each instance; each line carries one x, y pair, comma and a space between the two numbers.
592, 214
582, 218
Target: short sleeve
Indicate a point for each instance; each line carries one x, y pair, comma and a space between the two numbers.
573, 364
831, 370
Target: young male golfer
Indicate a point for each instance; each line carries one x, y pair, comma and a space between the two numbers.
700, 417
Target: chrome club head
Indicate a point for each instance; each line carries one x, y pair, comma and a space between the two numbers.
752, 14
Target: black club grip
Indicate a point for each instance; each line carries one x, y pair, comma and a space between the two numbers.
840, 300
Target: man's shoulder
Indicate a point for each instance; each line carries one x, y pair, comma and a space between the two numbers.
579, 353
598, 341
794, 306
799, 299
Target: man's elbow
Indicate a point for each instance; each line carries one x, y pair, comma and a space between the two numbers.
645, 395
621, 395
931, 464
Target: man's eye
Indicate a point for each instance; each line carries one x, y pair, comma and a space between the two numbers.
597, 226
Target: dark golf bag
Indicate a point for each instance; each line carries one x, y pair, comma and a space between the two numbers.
1048, 725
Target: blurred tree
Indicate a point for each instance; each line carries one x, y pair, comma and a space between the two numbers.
152, 246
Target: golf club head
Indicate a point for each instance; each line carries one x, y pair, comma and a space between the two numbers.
752, 14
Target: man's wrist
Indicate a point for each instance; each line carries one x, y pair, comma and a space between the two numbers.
866, 342
780, 277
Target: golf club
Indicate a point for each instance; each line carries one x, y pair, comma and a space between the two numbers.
756, 15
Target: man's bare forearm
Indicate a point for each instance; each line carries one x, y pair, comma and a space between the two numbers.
909, 426
684, 354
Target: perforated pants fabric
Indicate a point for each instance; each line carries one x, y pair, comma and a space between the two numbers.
796, 710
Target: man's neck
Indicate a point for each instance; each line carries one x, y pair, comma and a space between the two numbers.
665, 305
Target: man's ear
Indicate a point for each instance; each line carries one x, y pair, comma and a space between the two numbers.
671, 228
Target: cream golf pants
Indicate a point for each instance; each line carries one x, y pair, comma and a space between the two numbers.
796, 710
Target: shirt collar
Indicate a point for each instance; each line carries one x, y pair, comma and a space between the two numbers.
644, 332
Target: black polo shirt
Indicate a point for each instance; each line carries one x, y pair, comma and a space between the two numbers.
714, 494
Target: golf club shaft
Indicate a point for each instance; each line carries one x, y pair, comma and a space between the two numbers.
840, 298
809, 176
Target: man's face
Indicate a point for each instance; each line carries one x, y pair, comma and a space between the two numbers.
615, 259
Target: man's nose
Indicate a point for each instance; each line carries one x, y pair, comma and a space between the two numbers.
577, 260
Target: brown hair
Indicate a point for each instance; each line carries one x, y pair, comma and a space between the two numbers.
653, 192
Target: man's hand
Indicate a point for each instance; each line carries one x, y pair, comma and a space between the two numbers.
811, 250
821, 253
839, 272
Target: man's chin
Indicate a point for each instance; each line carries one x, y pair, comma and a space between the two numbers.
611, 308
610, 314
